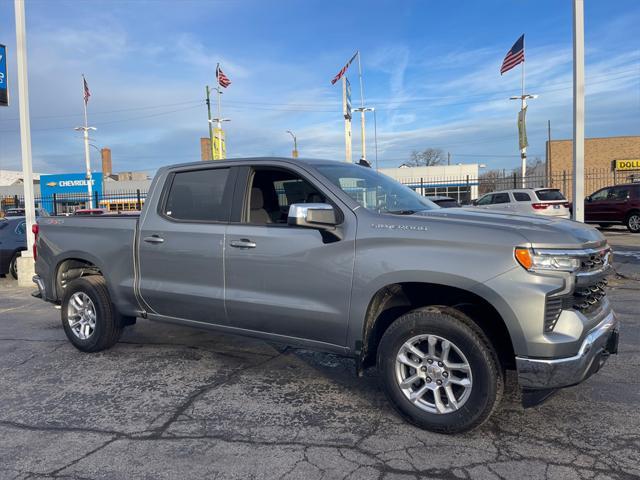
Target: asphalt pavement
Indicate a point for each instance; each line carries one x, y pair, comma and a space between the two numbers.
171, 402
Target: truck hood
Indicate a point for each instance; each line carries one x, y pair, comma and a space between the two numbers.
540, 231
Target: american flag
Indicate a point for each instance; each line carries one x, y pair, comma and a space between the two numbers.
223, 80
514, 56
87, 93
344, 69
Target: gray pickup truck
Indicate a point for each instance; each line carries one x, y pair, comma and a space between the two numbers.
336, 257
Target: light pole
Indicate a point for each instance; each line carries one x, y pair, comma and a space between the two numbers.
26, 266
578, 110
375, 129
294, 154
87, 161
523, 151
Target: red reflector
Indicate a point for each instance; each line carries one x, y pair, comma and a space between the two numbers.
539, 206
35, 229
566, 205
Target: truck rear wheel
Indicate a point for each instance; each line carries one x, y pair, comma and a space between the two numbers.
88, 317
440, 371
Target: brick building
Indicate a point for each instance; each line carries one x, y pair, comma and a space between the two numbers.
600, 155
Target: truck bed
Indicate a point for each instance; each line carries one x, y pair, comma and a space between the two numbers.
93, 238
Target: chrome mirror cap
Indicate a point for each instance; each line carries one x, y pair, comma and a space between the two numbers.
312, 215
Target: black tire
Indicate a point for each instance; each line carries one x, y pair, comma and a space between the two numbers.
488, 378
633, 222
13, 266
108, 326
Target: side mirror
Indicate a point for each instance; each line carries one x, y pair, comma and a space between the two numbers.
587, 199
312, 215
474, 202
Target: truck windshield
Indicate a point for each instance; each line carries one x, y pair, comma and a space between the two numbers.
374, 191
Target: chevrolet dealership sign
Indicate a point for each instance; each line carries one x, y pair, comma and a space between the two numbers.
71, 183
67, 187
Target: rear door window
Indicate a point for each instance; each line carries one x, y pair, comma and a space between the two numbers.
549, 195
619, 193
521, 196
199, 195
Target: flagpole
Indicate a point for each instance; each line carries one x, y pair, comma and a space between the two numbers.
523, 153
87, 154
362, 122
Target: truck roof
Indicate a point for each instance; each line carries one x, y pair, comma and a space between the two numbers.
231, 161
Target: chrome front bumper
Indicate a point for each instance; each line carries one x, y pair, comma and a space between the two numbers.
535, 373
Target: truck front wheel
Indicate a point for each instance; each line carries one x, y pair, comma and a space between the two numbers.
88, 317
440, 371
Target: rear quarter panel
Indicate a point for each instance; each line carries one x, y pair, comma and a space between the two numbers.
105, 241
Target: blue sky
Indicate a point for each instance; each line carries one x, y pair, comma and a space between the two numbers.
431, 70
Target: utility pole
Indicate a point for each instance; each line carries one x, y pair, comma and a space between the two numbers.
548, 169
26, 265
578, 110
210, 124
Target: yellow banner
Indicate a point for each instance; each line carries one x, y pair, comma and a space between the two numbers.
632, 164
219, 145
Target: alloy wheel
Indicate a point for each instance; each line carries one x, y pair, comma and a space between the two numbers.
81, 315
433, 374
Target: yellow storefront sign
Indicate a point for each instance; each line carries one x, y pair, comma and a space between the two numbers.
633, 164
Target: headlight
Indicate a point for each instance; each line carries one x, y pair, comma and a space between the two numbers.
546, 261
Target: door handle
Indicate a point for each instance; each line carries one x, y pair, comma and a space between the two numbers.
243, 243
153, 239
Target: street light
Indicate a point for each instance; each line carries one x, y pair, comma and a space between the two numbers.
375, 127
87, 159
523, 151
294, 154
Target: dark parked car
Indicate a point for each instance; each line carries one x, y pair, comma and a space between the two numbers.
19, 212
444, 202
12, 241
619, 205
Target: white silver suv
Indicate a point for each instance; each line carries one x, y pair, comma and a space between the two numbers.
531, 201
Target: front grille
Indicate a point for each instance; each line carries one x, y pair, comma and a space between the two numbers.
588, 298
595, 261
585, 299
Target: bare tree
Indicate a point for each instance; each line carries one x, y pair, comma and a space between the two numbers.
426, 158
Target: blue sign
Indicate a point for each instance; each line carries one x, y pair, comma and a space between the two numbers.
70, 188
4, 92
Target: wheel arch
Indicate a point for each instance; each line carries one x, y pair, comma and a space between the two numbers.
393, 300
72, 266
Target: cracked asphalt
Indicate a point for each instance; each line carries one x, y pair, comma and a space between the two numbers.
171, 402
